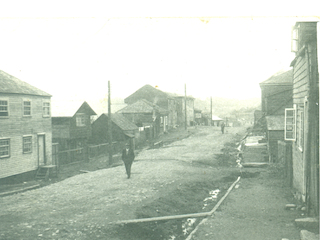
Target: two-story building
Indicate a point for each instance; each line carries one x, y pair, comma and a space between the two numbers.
25, 127
74, 131
302, 118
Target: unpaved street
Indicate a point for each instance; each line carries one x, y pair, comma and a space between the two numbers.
166, 181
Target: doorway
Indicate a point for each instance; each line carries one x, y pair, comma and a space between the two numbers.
41, 150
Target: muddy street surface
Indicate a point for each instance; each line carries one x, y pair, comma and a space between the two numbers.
172, 180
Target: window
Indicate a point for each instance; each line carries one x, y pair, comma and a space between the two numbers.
4, 148
141, 129
46, 109
27, 144
4, 108
290, 124
26, 108
80, 120
295, 38
301, 131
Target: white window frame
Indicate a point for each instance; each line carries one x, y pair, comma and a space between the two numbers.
26, 106
80, 120
290, 127
46, 109
5, 146
301, 131
4, 100
24, 144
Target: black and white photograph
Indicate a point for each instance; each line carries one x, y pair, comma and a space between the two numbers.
171, 120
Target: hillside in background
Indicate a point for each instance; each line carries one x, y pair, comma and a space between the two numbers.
226, 107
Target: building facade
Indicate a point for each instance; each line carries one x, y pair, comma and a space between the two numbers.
26, 132
302, 119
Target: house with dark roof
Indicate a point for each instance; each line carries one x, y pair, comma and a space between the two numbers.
123, 130
74, 131
276, 95
26, 132
148, 116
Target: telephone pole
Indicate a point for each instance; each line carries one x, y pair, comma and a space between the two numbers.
109, 124
210, 111
185, 106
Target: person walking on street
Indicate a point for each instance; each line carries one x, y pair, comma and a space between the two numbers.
222, 127
127, 158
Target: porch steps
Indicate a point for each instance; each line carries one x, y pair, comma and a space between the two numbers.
44, 172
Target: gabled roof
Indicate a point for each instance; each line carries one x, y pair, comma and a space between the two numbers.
282, 78
142, 106
123, 123
85, 108
11, 84
275, 122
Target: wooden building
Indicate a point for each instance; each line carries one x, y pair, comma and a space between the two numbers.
276, 93
181, 111
155, 96
276, 96
302, 119
74, 131
147, 116
25, 133
198, 117
123, 130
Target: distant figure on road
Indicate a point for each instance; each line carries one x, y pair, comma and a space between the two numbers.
222, 127
127, 158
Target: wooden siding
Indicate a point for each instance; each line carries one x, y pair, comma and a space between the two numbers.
300, 80
15, 126
61, 131
274, 95
80, 131
300, 91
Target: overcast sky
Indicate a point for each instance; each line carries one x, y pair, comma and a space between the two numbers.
73, 54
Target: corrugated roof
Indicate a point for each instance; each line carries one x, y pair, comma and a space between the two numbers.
11, 84
142, 106
275, 123
280, 78
122, 122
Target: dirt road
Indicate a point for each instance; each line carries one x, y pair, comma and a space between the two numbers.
171, 180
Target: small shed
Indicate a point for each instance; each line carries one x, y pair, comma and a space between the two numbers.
122, 129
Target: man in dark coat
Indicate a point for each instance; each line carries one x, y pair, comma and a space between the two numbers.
222, 127
127, 158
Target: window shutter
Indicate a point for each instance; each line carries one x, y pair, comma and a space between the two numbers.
290, 124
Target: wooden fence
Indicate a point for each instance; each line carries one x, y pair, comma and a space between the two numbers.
86, 153
73, 155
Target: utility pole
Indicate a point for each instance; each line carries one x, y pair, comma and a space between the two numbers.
185, 106
109, 124
210, 111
